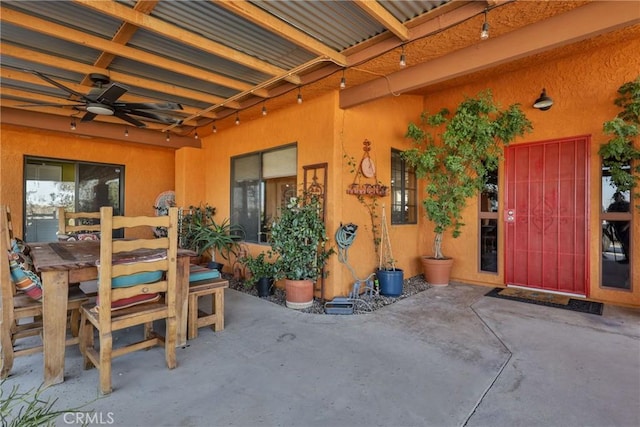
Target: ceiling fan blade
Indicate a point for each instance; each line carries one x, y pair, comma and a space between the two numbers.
148, 105
129, 119
112, 93
55, 83
88, 117
50, 104
158, 117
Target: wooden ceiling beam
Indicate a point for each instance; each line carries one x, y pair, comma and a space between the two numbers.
382, 15
173, 32
582, 23
122, 36
96, 129
61, 32
127, 79
259, 17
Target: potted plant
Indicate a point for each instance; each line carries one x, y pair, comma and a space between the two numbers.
455, 163
201, 233
390, 278
619, 154
261, 273
299, 239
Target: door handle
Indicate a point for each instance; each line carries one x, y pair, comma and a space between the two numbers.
509, 215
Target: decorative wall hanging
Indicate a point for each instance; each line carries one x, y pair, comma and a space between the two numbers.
367, 169
315, 182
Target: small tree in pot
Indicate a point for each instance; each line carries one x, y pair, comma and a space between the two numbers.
299, 239
455, 164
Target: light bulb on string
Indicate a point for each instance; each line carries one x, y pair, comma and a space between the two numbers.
484, 34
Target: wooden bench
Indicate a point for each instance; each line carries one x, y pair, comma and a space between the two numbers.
198, 318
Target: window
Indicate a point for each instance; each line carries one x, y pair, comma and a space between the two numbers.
488, 217
76, 186
261, 184
403, 191
615, 219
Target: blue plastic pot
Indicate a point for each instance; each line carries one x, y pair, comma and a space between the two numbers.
391, 282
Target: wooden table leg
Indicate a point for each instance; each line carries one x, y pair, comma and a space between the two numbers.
182, 299
55, 289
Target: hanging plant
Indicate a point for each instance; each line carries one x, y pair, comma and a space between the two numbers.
619, 154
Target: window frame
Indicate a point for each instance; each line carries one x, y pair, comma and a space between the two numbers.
261, 237
399, 165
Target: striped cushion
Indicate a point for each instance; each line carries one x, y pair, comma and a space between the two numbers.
22, 276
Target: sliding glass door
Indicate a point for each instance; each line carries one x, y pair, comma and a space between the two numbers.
76, 186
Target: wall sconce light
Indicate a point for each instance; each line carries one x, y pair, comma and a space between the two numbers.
73, 123
299, 96
543, 103
237, 119
403, 58
343, 81
214, 128
196, 136
484, 34
168, 138
126, 132
264, 108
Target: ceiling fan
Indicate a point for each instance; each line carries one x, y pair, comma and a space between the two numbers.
102, 100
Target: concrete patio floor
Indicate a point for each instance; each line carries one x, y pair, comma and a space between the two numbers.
445, 357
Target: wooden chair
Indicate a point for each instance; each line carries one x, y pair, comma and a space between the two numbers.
72, 222
22, 315
123, 265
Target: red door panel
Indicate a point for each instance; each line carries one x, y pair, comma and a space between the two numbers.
546, 215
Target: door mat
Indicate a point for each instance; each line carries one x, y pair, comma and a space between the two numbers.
550, 300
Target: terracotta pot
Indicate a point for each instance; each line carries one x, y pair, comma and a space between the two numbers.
436, 271
299, 293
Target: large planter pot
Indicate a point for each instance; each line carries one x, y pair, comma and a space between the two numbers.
299, 293
437, 271
391, 282
264, 286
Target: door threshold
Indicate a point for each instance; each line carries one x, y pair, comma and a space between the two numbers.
567, 294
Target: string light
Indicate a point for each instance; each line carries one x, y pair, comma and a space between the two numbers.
299, 96
343, 81
484, 34
403, 58
237, 119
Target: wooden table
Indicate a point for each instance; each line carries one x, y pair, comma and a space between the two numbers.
62, 263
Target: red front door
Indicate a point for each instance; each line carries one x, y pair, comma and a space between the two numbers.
546, 215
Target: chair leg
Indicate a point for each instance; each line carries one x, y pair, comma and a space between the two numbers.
218, 308
75, 323
106, 347
6, 351
192, 317
171, 340
86, 341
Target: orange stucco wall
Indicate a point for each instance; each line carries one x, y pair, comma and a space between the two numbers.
148, 170
583, 87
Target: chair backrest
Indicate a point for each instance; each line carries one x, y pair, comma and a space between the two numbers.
124, 263
74, 222
7, 287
